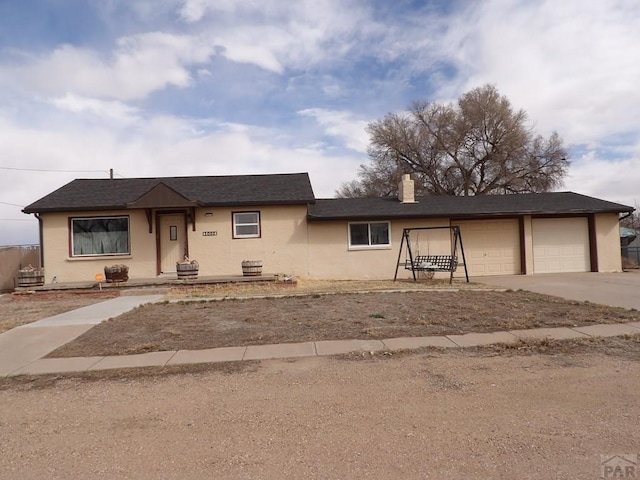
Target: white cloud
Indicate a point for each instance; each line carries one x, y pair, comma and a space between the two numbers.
569, 64
616, 181
341, 125
109, 110
276, 35
140, 64
160, 146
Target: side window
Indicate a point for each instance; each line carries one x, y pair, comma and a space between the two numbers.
246, 225
372, 234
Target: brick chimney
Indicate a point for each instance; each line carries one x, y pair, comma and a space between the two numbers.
406, 189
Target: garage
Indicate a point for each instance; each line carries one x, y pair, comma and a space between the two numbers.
560, 245
491, 247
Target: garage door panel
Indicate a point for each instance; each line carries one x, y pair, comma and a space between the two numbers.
560, 245
492, 247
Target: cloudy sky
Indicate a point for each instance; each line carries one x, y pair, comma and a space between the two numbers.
208, 87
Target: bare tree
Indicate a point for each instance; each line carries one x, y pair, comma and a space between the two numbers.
632, 221
479, 146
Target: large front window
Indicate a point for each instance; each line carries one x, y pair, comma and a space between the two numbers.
100, 236
246, 224
374, 234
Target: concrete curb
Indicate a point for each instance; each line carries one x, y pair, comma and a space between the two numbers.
314, 349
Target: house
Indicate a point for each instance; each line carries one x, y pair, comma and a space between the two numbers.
630, 243
151, 223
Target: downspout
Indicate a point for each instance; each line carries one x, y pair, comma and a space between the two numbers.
41, 238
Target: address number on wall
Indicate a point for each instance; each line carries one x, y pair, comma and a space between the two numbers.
209, 234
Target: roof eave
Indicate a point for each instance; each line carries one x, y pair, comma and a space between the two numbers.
374, 216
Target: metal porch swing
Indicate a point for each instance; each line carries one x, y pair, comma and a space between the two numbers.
431, 263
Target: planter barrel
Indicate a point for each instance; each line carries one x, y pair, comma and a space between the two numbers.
187, 270
31, 278
252, 268
116, 273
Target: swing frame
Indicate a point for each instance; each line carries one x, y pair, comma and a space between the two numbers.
443, 263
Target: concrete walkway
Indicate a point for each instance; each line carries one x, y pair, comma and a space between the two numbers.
25, 344
22, 349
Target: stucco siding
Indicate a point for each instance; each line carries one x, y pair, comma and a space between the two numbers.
288, 243
608, 242
58, 262
282, 245
331, 258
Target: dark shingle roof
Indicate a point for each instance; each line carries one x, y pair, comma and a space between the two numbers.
559, 203
101, 194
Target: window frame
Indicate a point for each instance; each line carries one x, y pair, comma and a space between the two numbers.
369, 245
235, 224
73, 254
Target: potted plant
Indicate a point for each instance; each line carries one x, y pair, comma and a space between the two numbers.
187, 269
252, 268
30, 276
116, 273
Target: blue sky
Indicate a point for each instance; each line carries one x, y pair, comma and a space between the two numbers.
212, 87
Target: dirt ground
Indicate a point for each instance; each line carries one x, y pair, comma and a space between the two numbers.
428, 415
20, 309
195, 326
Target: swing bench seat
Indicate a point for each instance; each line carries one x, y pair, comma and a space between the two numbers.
434, 263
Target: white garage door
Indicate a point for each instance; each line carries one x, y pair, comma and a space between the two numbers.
491, 247
560, 245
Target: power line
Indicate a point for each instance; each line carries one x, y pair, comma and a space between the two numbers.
52, 171
17, 219
12, 204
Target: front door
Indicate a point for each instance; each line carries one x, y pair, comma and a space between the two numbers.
172, 241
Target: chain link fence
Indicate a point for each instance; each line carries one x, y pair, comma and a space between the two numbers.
630, 257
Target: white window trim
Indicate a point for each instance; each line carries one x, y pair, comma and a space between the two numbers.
99, 255
387, 246
252, 235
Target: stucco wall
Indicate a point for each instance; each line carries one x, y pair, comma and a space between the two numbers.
331, 258
282, 246
59, 264
288, 244
608, 242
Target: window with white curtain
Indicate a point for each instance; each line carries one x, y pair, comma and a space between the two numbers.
100, 236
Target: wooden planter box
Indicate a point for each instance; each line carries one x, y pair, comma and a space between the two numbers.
116, 273
31, 278
252, 268
187, 270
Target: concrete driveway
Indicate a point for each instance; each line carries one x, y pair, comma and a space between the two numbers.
616, 289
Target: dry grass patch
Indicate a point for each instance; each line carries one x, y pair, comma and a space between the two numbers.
201, 325
309, 287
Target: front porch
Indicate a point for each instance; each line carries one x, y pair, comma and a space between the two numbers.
160, 281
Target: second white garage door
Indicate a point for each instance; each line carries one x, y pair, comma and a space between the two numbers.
560, 245
491, 247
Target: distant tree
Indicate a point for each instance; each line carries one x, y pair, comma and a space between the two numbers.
479, 146
633, 220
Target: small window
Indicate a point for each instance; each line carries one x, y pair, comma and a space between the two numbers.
99, 236
246, 225
374, 234
173, 233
